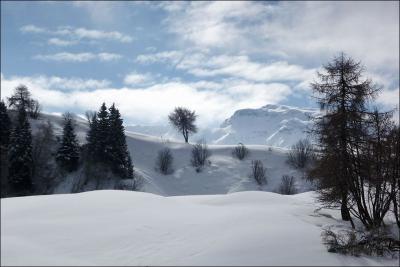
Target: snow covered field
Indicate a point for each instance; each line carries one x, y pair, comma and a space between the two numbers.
135, 228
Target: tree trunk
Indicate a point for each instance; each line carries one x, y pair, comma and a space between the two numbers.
344, 210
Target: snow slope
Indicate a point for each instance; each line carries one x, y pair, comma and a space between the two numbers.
225, 174
273, 125
134, 228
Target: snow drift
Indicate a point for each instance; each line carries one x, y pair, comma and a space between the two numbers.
134, 228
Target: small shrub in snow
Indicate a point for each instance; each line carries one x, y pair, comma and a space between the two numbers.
133, 184
287, 186
164, 161
258, 172
376, 242
301, 154
200, 154
240, 151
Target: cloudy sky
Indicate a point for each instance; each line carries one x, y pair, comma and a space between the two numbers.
213, 57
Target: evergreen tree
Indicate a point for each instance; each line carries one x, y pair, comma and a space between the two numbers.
129, 168
68, 152
5, 128
118, 151
20, 156
5, 125
102, 134
91, 138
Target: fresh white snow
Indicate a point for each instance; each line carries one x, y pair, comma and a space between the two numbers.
135, 228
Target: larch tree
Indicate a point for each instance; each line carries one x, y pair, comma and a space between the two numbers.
343, 96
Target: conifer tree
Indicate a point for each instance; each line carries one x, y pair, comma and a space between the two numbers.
343, 95
5, 126
91, 137
102, 134
68, 152
20, 156
118, 150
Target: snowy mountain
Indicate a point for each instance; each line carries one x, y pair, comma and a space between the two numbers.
272, 125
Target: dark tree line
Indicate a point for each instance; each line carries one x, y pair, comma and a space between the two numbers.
31, 164
357, 164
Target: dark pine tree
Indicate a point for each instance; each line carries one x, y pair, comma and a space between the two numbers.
91, 138
68, 152
5, 129
102, 135
118, 153
20, 157
5, 125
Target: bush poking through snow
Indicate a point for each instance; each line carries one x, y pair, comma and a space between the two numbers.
133, 184
164, 161
258, 172
200, 154
240, 151
376, 242
301, 155
287, 186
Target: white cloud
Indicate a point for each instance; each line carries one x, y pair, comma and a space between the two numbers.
61, 83
135, 78
75, 34
32, 29
98, 35
213, 102
108, 56
203, 65
78, 57
165, 56
310, 32
60, 42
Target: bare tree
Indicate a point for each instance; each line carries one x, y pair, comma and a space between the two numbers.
183, 120
258, 172
240, 151
301, 154
200, 154
287, 186
164, 161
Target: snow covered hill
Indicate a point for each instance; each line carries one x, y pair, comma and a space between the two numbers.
273, 125
225, 174
134, 228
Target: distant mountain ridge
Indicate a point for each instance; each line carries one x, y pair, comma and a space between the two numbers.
273, 125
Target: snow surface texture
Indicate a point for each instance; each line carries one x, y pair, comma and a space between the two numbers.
272, 125
134, 228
